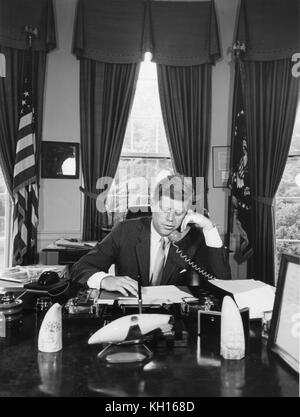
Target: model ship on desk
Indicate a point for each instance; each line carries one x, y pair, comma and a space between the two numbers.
133, 329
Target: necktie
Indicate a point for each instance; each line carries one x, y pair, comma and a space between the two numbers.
159, 263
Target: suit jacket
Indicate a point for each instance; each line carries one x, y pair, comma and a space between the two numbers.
128, 247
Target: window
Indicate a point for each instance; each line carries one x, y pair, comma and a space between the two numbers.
288, 201
145, 155
4, 222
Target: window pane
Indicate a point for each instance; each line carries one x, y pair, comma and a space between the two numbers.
2, 226
3, 231
145, 135
288, 201
288, 186
2, 183
288, 219
146, 98
295, 145
2, 205
2, 251
134, 179
292, 248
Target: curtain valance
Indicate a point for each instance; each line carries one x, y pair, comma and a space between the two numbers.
117, 31
16, 14
270, 29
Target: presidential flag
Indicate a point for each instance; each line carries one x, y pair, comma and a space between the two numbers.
239, 179
25, 191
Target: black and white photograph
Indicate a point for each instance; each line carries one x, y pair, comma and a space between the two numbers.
149, 201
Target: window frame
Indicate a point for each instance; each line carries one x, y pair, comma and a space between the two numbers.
291, 155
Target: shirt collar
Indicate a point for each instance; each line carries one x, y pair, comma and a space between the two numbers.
156, 237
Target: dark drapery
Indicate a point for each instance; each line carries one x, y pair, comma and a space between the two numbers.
266, 39
110, 39
10, 105
270, 96
118, 31
27, 33
106, 95
185, 96
16, 14
269, 29
14, 17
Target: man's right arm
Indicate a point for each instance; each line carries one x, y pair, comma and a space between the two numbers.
92, 268
99, 259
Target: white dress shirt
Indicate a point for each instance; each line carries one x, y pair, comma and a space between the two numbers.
212, 239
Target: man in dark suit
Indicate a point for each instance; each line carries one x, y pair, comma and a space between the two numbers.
146, 246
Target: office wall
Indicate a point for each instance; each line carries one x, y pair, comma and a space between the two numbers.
60, 201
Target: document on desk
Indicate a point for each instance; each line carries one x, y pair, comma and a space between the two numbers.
256, 295
154, 295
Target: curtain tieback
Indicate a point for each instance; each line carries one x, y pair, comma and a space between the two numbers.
263, 200
88, 193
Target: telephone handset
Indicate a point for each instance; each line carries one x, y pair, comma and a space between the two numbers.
175, 237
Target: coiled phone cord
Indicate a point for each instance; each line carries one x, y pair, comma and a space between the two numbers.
197, 268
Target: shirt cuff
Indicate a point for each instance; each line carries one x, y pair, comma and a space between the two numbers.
95, 280
212, 238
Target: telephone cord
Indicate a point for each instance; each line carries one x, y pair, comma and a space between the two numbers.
197, 268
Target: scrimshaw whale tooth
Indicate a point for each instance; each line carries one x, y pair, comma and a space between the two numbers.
50, 335
232, 331
132, 327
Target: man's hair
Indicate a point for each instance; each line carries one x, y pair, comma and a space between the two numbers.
176, 187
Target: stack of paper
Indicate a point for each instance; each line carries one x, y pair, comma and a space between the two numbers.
162, 294
255, 295
73, 243
29, 273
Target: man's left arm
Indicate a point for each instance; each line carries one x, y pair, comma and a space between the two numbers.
215, 254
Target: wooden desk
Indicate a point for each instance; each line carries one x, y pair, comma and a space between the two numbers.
193, 369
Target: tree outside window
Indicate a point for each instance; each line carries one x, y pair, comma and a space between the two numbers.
288, 201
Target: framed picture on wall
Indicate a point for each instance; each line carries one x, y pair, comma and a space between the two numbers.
285, 323
221, 161
60, 160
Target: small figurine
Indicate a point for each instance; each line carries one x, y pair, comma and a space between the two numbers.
50, 335
232, 331
133, 327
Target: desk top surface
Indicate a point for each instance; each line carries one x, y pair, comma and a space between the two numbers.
190, 368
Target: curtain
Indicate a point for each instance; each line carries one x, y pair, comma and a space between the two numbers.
106, 96
270, 97
11, 91
10, 105
112, 34
185, 96
27, 33
118, 31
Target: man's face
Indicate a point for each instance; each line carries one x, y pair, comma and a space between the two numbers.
167, 215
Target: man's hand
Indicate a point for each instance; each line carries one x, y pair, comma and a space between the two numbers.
196, 218
124, 285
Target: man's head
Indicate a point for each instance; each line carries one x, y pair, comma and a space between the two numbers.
171, 199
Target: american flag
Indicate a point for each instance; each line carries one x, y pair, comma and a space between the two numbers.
25, 191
